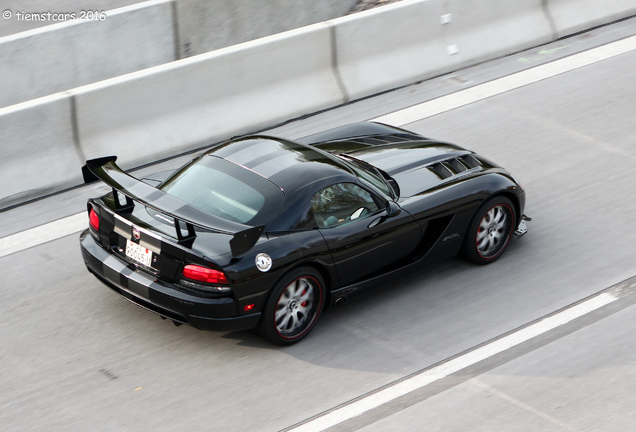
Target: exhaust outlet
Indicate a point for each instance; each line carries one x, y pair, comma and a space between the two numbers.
339, 301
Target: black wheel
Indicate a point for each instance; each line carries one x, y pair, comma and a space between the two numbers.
293, 307
490, 230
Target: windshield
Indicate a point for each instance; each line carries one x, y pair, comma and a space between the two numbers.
226, 190
368, 173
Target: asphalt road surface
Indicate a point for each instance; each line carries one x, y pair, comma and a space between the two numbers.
540, 340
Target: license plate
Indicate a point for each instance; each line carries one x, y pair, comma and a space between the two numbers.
138, 253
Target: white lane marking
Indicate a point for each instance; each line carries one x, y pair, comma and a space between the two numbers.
43, 233
439, 372
429, 376
507, 83
52, 231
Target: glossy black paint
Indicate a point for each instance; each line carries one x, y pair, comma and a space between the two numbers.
440, 188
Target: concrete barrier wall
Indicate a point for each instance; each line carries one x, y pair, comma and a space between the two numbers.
207, 25
59, 57
422, 39
63, 56
77, 52
571, 16
172, 108
16, 24
391, 46
37, 151
482, 29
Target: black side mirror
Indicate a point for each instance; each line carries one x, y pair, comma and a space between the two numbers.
392, 209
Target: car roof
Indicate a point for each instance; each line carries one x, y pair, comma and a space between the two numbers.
289, 165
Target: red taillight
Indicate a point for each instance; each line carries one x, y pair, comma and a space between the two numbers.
204, 274
93, 219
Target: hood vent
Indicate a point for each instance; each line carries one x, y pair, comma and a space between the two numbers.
441, 170
470, 161
386, 139
456, 166
453, 166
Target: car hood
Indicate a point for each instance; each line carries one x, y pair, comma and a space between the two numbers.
397, 158
406, 162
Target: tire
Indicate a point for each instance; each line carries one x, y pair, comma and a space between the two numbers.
293, 307
490, 231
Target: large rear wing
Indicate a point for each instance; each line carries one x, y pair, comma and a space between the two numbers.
127, 190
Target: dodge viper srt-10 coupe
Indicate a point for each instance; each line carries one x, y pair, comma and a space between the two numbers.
263, 233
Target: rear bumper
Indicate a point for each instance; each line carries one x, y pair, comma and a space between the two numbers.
144, 290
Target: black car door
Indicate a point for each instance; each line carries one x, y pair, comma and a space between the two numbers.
362, 238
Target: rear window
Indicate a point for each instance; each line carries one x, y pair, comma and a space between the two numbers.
226, 190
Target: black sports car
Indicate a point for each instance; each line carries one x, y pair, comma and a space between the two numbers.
262, 232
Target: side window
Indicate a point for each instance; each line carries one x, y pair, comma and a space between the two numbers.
341, 203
